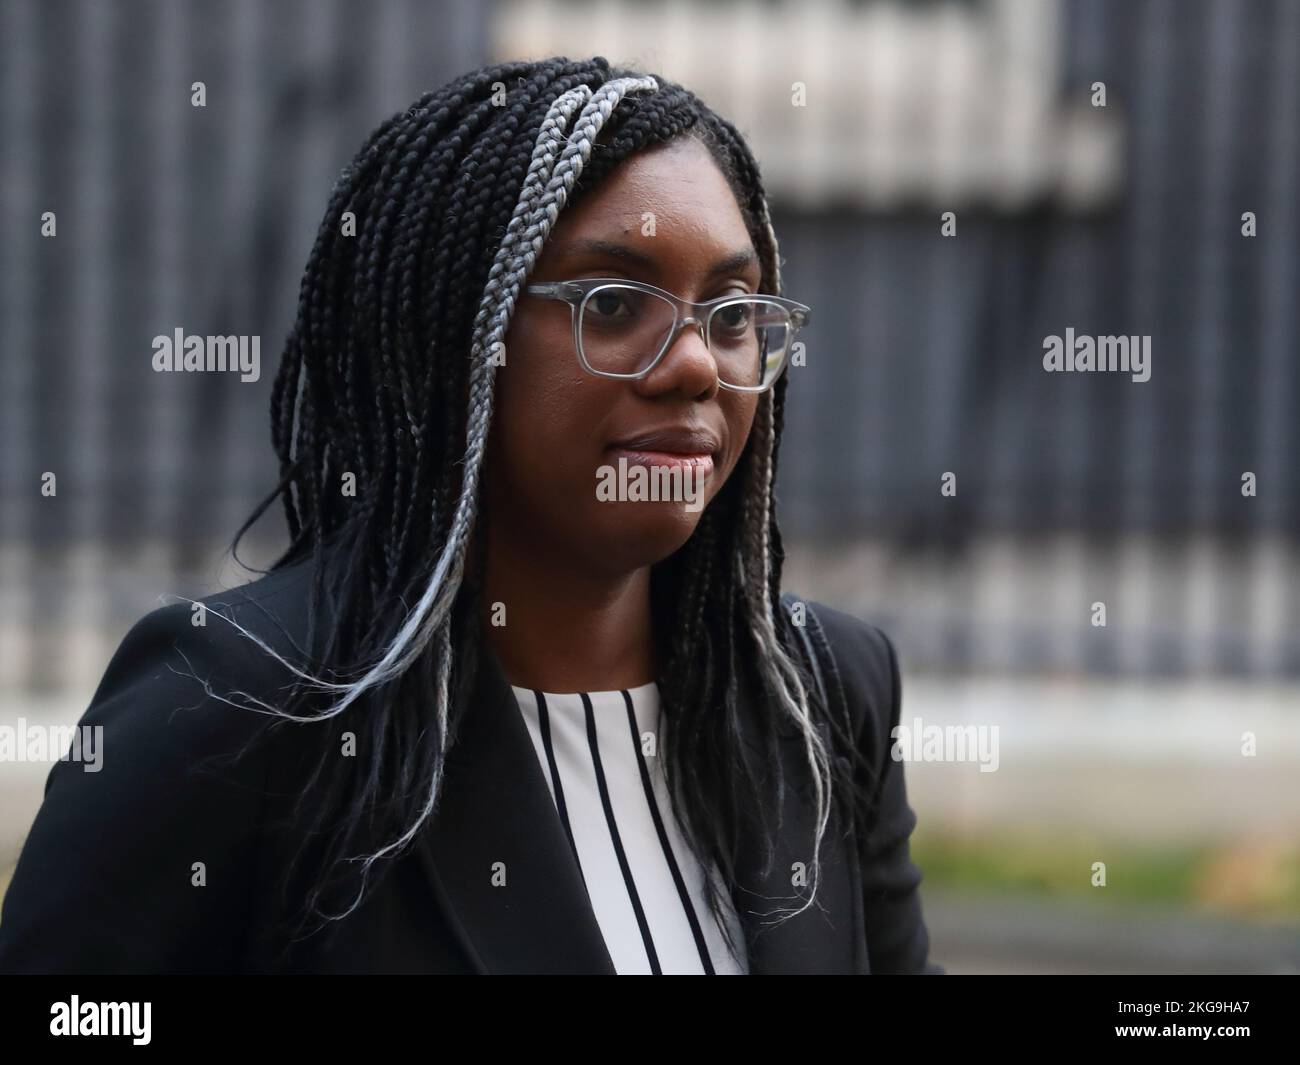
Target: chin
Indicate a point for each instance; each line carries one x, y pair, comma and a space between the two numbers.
646, 533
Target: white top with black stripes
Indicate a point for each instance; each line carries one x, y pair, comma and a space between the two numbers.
599, 754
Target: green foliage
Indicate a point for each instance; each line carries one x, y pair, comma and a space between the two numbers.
1249, 878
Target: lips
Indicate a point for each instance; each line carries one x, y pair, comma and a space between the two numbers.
682, 442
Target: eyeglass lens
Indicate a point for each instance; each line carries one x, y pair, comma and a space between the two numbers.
623, 329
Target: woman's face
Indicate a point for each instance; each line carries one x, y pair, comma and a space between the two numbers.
666, 216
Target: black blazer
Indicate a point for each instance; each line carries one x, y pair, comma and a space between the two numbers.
103, 883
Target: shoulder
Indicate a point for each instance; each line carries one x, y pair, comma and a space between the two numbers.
191, 671
180, 696
864, 653
864, 663
228, 624
142, 858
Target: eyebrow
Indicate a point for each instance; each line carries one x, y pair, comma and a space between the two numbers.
736, 261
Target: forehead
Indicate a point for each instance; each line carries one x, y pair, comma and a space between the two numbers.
672, 198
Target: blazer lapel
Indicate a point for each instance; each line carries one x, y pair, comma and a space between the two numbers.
830, 936
495, 852
498, 861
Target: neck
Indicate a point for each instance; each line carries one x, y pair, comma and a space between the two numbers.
566, 628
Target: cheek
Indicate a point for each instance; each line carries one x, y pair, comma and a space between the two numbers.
532, 387
542, 421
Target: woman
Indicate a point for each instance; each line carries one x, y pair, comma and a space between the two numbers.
522, 695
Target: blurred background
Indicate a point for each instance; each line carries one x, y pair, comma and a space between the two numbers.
1098, 157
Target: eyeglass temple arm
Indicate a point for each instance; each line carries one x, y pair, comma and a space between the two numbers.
554, 289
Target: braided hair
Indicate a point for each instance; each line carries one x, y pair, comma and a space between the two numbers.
388, 374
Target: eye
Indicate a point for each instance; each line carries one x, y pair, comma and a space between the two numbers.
607, 302
734, 317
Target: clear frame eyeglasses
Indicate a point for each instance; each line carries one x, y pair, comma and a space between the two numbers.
622, 329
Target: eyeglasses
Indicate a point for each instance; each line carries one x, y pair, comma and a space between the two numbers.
622, 329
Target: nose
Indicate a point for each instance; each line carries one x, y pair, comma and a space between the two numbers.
687, 367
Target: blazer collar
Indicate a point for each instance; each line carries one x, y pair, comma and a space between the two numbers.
498, 862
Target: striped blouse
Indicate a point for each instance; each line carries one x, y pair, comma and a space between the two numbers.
598, 754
